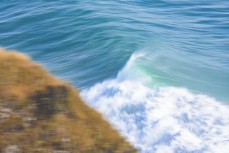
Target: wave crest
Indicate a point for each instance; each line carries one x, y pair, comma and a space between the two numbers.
161, 119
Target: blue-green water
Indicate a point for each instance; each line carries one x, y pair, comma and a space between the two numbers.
142, 53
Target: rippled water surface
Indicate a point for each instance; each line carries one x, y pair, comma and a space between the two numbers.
174, 53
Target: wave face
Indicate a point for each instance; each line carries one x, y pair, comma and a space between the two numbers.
161, 119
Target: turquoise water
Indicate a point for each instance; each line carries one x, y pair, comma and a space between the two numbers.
163, 64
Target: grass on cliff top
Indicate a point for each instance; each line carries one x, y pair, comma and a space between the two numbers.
39, 113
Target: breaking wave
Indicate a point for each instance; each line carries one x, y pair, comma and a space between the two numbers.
160, 119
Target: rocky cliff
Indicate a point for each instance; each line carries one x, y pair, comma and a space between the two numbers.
39, 113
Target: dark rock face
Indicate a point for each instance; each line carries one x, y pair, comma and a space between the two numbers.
50, 101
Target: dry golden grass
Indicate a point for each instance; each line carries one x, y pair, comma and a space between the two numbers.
39, 113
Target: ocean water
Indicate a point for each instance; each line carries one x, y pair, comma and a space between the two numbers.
158, 70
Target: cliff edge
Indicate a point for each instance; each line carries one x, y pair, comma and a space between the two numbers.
39, 113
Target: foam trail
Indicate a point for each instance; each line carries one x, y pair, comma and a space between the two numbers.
163, 119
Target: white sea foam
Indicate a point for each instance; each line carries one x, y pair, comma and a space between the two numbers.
163, 119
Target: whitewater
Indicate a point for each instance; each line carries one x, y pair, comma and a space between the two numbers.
160, 119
